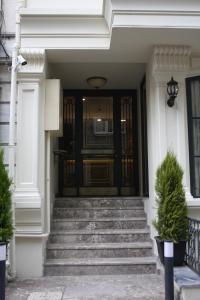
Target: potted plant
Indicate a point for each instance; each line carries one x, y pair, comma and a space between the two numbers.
6, 228
171, 222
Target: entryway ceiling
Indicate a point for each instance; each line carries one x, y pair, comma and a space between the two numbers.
119, 75
124, 63
130, 45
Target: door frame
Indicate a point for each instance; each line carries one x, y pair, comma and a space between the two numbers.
116, 94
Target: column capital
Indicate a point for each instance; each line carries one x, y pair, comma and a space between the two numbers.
171, 58
21, 4
35, 62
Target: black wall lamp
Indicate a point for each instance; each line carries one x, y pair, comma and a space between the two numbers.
172, 90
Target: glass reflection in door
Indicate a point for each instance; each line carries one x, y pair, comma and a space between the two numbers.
97, 149
129, 145
67, 144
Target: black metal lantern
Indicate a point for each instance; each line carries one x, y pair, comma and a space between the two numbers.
172, 90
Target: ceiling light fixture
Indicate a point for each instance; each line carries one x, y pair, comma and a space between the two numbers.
96, 82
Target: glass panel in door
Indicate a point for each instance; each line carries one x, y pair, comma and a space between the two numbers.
67, 144
129, 167
98, 146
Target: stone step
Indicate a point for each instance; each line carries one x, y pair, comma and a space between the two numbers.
92, 250
100, 266
98, 212
98, 202
100, 236
91, 236
105, 223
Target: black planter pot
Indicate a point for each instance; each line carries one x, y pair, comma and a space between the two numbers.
179, 251
2, 270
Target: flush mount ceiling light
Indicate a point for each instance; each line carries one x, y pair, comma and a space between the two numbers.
96, 82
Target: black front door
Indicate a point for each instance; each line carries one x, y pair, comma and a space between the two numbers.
99, 148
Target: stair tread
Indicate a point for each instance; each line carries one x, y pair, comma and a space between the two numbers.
98, 198
139, 218
99, 208
102, 231
113, 246
76, 246
102, 261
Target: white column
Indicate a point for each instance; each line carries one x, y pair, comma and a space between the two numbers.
167, 126
30, 166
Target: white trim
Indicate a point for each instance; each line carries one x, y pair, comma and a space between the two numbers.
70, 43
24, 234
3, 252
157, 12
168, 249
194, 203
65, 35
156, 21
27, 205
43, 12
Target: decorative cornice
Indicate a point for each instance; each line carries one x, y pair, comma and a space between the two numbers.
35, 60
171, 58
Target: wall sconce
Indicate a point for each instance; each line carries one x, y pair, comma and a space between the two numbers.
172, 90
96, 82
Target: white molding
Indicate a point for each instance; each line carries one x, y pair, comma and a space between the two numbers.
65, 32
191, 201
20, 4
44, 27
171, 58
64, 35
68, 42
27, 205
48, 12
35, 61
158, 12
156, 19
195, 203
33, 234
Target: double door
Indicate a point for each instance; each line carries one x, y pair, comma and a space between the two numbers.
99, 148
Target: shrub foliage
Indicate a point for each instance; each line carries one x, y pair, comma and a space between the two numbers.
6, 228
171, 222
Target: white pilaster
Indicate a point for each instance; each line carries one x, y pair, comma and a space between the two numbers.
30, 167
173, 61
29, 129
167, 126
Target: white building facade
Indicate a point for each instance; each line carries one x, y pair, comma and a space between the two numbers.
126, 41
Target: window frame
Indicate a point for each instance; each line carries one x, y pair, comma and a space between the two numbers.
190, 119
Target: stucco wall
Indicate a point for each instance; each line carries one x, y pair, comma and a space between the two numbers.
76, 6
8, 7
183, 5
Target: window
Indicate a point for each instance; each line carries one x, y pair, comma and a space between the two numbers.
193, 105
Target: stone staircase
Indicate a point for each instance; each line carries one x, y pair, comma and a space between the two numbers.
96, 236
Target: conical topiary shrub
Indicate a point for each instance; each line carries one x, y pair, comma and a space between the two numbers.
6, 228
171, 222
